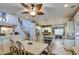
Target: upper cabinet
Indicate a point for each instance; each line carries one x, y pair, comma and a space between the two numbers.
6, 28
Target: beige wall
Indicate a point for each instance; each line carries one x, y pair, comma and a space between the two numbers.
69, 29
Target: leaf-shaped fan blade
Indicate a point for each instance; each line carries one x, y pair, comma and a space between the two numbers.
26, 6
40, 13
25, 12
38, 7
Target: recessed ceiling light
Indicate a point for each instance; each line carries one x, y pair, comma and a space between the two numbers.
66, 5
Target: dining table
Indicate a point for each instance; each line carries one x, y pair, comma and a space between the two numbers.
34, 48
75, 50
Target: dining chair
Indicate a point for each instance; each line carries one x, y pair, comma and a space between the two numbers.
20, 48
13, 49
50, 48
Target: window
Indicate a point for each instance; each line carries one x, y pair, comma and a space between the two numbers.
59, 31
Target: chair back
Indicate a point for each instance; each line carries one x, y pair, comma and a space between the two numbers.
12, 47
20, 48
12, 42
50, 48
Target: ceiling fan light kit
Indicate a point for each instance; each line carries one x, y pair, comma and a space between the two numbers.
33, 13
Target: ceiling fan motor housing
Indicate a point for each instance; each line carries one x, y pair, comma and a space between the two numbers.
32, 6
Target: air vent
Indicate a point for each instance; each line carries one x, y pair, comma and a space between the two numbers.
70, 19
72, 6
33, 21
13, 13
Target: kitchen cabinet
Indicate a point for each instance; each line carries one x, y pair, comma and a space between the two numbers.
6, 32
68, 43
76, 21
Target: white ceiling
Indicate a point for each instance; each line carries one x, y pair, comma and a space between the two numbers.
51, 10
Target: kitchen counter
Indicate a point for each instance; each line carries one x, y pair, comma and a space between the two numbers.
70, 38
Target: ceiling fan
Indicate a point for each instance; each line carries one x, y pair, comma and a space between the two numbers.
33, 9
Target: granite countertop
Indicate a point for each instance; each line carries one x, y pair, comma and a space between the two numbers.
49, 36
72, 38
